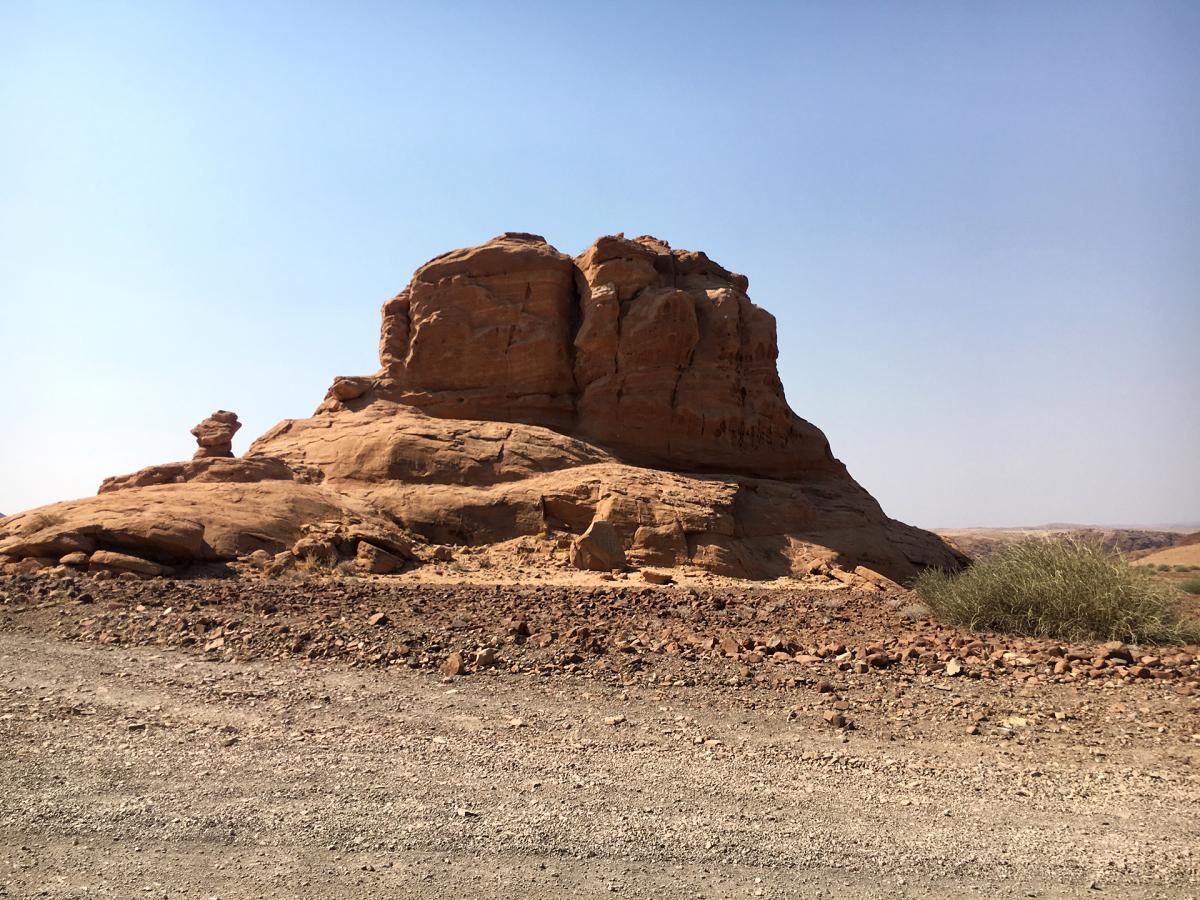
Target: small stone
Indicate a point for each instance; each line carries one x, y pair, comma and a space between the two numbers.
613, 720
1116, 650
954, 667
453, 665
378, 619
834, 719
656, 577
486, 658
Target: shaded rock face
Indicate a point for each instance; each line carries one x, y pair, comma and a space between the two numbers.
654, 353
623, 405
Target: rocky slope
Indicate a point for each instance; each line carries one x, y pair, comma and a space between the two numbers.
626, 402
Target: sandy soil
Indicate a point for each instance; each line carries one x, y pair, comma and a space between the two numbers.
1187, 555
133, 766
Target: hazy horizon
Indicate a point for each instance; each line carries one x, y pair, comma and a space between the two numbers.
975, 225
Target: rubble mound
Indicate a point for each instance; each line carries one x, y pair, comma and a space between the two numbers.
624, 405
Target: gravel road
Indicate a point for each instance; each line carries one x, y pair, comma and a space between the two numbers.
144, 772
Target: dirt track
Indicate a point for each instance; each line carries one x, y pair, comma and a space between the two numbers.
142, 771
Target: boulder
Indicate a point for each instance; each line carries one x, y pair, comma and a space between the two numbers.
653, 576
376, 560
125, 562
346, 387
598, 549
215, 434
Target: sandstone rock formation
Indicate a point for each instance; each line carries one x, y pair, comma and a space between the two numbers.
656, 354
215, 435
626, 401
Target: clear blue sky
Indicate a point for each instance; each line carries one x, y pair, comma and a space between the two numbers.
978, 224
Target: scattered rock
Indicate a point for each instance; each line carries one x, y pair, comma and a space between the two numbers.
486, 658
834, 719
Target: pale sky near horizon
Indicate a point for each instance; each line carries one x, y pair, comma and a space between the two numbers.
978, 224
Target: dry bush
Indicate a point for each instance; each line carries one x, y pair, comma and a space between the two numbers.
1066, 589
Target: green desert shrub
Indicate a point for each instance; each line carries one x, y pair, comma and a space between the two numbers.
1163, 567
1192, 585
1066, 589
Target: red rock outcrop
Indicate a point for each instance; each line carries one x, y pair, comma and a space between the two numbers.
215, 435
485, 333
624, 401
654, 353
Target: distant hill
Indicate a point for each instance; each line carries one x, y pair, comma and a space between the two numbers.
1134, 542
1185, 553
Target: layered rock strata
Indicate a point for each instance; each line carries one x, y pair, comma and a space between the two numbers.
654, 353
215, 435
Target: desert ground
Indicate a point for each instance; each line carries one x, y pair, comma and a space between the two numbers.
301, 737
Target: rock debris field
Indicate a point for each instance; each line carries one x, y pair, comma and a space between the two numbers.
363, 737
